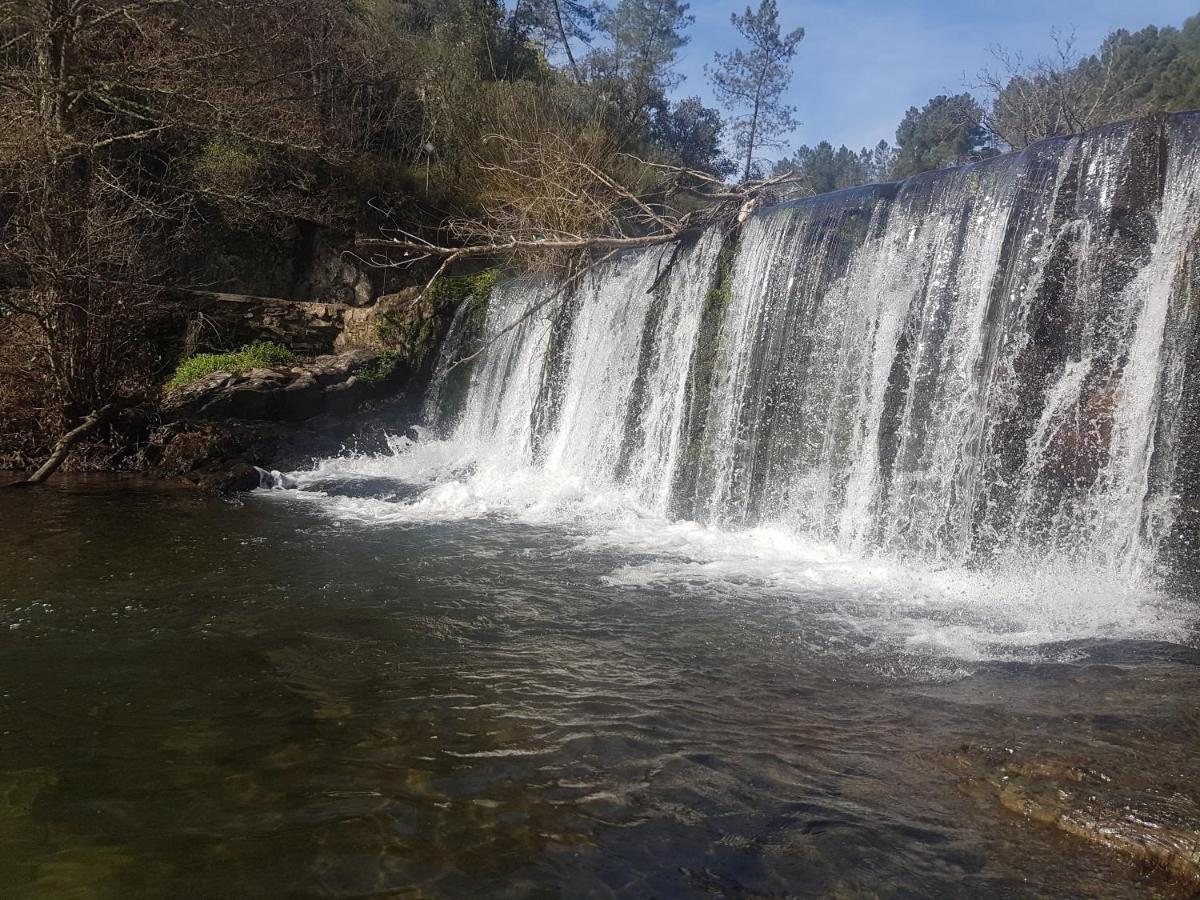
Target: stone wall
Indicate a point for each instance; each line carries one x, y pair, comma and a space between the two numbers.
302, 260
217, 321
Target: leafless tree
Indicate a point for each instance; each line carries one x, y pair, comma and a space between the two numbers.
1061, 93
558, 196
562, 203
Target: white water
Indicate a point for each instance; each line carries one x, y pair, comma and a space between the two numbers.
932, 415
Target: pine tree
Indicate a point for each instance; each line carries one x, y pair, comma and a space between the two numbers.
555, 24
752, 81
825, 169
944, 132
645, 36
690, 133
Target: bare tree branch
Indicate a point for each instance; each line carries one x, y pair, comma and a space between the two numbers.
66, 444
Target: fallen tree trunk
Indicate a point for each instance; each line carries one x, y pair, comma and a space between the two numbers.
506, 247
66, 444
490, 239
522, 229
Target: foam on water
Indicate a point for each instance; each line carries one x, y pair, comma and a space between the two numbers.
865, 603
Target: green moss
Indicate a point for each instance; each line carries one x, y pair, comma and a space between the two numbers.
264, 354
454, 289
380, 368
721, 292
412, 333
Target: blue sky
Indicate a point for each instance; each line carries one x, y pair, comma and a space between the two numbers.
863, 63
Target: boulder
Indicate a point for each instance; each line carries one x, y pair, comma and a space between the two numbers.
327, 384
223, 427
363, 326
239, 477
234, 319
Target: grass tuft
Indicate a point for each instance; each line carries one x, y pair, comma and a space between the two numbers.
262, 355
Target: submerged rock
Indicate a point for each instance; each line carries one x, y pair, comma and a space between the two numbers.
1150, 815
237, 478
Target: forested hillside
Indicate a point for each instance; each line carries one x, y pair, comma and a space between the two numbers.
154, 144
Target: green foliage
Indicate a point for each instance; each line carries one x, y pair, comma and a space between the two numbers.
380, 368
1152, 70
452, 290
261, 355
637, 68
1156, 69
825, 169
410, 333
716, 301
752, 81
721, 292
690, 133
944, 132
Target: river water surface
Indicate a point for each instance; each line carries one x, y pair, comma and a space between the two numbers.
204, 698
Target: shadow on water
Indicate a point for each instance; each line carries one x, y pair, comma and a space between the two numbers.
205, 698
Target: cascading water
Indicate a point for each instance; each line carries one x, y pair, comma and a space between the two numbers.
974, 371
968, 365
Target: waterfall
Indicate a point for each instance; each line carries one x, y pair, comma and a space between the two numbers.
977, 364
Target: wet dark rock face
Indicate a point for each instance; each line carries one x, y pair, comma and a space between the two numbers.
225, 456
1178, 458
220, 321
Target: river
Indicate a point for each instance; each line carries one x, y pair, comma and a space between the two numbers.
281, 696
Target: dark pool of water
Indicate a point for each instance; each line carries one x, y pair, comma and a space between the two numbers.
202, 698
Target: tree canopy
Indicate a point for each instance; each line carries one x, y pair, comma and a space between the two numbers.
944, 132
637, 68
1132, 73
823, 169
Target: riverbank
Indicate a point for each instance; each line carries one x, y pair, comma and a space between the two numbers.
311, 380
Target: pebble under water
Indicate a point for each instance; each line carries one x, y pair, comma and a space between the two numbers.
258, 698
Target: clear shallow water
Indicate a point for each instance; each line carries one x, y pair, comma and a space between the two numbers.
296, 696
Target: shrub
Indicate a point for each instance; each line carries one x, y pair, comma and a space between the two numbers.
380, 368
450, 291
261, 355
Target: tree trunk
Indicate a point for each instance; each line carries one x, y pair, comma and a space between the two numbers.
750, 144
758, 92
562, 34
